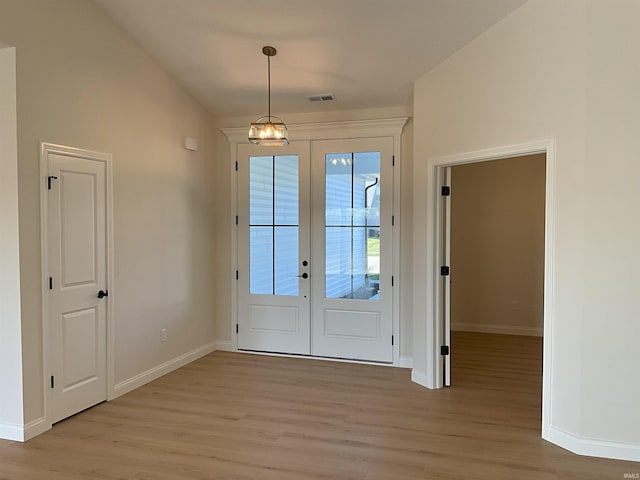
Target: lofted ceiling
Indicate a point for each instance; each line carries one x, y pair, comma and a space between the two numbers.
365, 52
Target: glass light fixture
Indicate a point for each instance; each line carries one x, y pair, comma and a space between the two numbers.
265, 131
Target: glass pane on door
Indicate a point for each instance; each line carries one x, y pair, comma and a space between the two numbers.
352, 225
273, 225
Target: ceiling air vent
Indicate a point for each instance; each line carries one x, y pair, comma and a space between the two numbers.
325, 97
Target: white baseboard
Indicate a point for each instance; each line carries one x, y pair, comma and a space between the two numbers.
404, 362
420, 378
156, 372
22, 433
12, 431
499, 329
225, 346
36, 427
593, 448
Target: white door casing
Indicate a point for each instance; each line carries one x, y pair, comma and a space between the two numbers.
75, 239
307, 133
434, 377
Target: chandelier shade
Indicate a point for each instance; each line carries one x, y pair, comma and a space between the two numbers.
268, 131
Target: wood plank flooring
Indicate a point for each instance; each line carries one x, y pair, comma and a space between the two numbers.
236, 416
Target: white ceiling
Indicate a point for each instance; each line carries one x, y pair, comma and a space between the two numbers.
366, 52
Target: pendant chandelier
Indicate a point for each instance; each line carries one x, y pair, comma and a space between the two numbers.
269, 130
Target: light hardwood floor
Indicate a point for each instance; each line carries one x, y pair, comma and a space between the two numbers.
238, 416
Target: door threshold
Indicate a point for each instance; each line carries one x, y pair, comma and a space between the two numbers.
313, 357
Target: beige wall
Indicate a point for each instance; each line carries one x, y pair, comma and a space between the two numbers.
223, 213
11, 401
569, 71
610, 326
497, 246
82, 82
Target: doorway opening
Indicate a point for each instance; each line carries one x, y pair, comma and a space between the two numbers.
496, 241
439, 285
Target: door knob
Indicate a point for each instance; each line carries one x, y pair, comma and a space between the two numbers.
304, 275
103, 293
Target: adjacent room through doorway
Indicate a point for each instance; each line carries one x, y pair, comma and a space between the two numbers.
497, 257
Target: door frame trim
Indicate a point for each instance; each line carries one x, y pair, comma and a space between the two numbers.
386, 127
106, 158
434, 375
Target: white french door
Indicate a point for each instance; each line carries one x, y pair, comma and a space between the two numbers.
274, 248
315, 248
351, 288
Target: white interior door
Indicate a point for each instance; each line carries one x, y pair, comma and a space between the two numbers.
273, 249
352, 249
76, 243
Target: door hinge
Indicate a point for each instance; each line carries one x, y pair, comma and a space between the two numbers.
393, 161
53, 382
444, 271
236, 166
50, 283
236, 219
237, 328
445, 190
393, 220
444, 350
49, 178
392, 280
392, 340
237, 275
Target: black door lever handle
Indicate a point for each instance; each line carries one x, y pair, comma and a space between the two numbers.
103, 293
304, 275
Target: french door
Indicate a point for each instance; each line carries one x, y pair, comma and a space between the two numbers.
315, 248
274, 248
